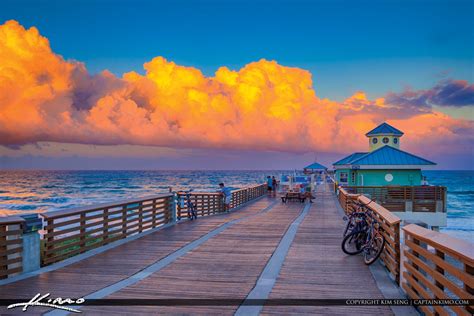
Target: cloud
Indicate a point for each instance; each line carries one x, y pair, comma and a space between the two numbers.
448, 92
263, 106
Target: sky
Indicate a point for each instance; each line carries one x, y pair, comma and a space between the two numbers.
231, 84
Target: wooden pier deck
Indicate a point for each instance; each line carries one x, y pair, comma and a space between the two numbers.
221, 256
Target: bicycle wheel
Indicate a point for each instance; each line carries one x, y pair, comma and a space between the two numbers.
353, 243
374, 249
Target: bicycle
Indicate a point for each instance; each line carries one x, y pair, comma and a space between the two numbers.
186, 200
369, 241
353, 218
355, 221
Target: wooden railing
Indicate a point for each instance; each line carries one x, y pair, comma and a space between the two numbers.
242, 196
71, 232
389, 226
345, 199
74, 231
438, 266
211, 203
204, 202
399, 198
11, 246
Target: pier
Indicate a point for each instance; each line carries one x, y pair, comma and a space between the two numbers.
262, 249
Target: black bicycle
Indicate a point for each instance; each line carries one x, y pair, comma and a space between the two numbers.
355, 217
185, 200
365, 238
355, 222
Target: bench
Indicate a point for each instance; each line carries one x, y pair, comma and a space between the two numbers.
293, 196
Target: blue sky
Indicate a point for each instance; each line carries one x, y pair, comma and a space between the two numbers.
375, 46
418, 54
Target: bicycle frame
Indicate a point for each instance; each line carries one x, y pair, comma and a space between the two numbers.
185, 198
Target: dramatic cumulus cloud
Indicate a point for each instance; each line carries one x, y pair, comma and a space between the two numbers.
263, 106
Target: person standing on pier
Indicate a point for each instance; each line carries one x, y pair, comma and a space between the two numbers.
269, 186
274, 185
227, 195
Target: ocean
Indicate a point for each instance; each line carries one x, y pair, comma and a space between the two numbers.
460, 184
41, 191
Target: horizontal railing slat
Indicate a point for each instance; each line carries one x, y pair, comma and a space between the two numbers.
434, 262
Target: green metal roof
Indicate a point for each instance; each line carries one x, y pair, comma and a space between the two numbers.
316, 166
347, 160
385, 129
385, 155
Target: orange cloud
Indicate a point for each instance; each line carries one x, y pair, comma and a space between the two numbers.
263, 106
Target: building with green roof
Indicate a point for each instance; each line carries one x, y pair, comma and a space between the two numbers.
314, 168
385, 164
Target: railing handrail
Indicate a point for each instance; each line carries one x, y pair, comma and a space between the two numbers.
198, 193
454, 246
12, 219
379, 209
98, 207
391, 186
343, 191
219, 193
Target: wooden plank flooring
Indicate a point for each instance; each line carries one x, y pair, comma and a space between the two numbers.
226, 266
99, 271
316, 267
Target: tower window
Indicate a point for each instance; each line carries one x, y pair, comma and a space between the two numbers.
385, 140
395, 140
374, 140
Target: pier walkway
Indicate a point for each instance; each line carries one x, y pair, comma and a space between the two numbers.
265, 249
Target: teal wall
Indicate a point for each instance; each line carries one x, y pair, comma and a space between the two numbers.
378, 177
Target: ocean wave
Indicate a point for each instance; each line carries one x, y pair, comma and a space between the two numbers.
7, 198
20, 207
58, 200
461, 192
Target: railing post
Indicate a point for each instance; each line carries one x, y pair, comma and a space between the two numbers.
415, 266
48, 243
124, 221
82, 230
469, 270
105, 229
439, 254
3, 250
398, 250
153, 212
445, 199
179, 208
174, 207
140, 217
